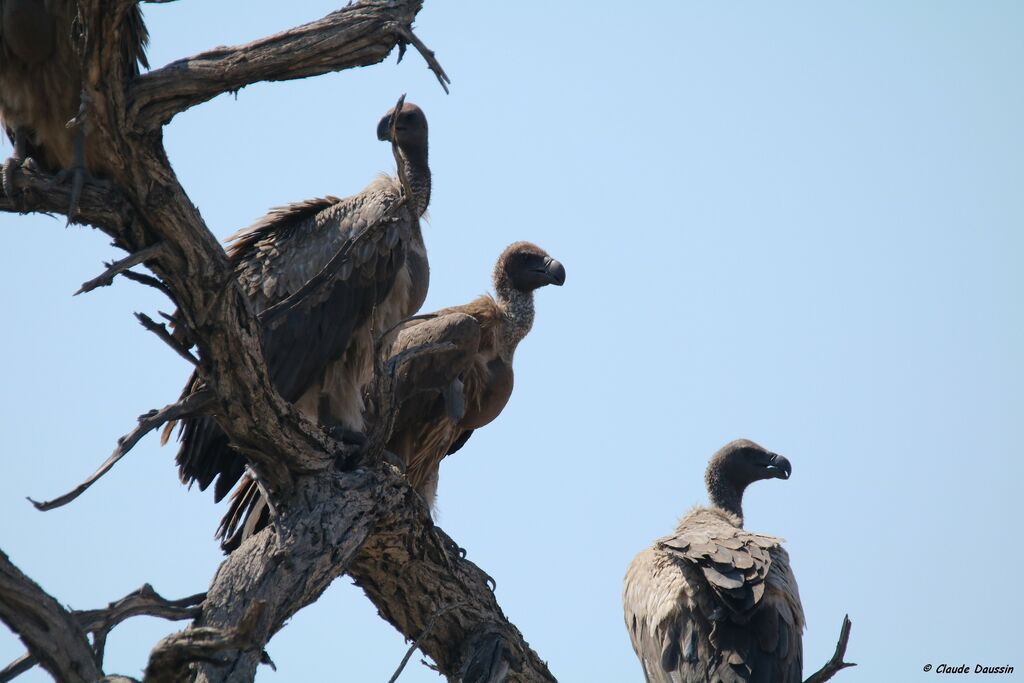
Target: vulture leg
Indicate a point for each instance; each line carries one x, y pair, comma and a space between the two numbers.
340, 432
77, 173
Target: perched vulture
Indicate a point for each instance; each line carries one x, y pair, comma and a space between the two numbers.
319, 348
714, 603
41, 82
445, 396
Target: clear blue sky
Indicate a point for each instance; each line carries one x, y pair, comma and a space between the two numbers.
801, 224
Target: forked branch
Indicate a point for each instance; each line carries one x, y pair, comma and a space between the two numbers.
358, 35
188, 406
836, 664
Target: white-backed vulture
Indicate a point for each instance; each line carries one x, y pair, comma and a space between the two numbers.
319, 350
485, 333
443, 397
714, 603
41, 83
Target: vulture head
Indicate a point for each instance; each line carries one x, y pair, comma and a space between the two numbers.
410, 128
737, 465
525, 267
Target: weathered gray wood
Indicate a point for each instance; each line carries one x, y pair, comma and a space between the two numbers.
333, 512
49, 631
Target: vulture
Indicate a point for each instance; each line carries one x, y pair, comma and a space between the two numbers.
366, 257
41, 82
442, 397
711, 602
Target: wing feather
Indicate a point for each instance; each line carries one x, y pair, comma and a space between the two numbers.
314, 271
715, 602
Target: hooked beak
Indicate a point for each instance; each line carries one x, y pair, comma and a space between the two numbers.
779, 467
384, 127
554, 272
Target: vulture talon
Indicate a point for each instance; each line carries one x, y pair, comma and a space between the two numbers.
10, 167
77, 173
394, 460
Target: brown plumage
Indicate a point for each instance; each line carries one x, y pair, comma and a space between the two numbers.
714, 603
41, 81
445, 396
327, 276
485, 333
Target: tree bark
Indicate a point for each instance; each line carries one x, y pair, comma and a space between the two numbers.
330, 517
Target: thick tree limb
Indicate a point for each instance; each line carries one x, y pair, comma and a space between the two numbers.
190, 405
836, 664
175, 654
99, 622
358, 35
51, 634
38, 192
370, 524
367, 521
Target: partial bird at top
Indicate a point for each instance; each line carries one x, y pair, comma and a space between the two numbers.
712, 602
442, 397
41, 85
327, 276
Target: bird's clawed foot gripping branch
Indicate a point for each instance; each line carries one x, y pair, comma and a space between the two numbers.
365, 520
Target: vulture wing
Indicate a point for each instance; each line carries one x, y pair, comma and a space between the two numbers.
430, 353
314, 271
714, 602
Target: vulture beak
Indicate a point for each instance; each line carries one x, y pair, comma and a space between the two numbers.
384, 128
554, 272
778, 467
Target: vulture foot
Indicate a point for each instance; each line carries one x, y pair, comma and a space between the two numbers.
355, 442
77, 175
395, 460
448, 546
19, 159
10, 166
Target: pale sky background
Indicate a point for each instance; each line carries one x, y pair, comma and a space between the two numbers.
800, 223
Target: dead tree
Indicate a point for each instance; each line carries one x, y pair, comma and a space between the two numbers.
336, 512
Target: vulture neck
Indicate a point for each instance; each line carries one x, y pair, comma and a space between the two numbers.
417, 171
724, 493
517, 308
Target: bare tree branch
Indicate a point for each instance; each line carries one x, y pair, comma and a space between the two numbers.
106, 278
51, 634
358, 35
836, 664
190, 405
365, 520
166, 337
143, 602
17, 667
176, 653
38, 192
